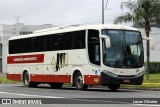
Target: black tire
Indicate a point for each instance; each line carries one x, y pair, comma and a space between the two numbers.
78, 80
27, 82
114, 87
56, 85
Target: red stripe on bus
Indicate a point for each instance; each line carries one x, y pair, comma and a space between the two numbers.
37, 58
51, 78
16, 77
88, 79
62, 78
92, 79
42, 78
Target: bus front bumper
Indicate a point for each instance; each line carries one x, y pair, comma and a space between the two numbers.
107, 79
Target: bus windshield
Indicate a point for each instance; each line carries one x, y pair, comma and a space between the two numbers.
126, 49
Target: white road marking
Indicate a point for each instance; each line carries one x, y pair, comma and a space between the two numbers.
150, 105
155, 96
28, 95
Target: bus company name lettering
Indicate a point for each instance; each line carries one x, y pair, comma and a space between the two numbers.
25, 59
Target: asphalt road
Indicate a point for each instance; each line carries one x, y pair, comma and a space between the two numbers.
69, 96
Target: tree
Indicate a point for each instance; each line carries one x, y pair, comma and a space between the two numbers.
157, 12
144, 13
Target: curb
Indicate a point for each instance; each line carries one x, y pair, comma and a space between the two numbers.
148, 89
151, 84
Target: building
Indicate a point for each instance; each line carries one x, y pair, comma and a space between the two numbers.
7, 31
155, 34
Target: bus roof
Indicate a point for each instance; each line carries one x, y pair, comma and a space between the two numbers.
55, 30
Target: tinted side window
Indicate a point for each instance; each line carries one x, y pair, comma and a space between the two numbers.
11, 47
68, 40
53, 42
23, 46
80, 39
18, 46
61, 40
33, 44
39, 45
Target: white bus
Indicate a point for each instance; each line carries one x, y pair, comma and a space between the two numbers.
107, 55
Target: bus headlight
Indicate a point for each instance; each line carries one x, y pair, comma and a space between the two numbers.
109, 73
141, 73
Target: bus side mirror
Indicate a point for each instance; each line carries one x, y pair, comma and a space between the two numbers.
107, 40
151, 43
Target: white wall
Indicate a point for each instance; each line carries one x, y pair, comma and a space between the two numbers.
7, 31
4, 56
155, 34
0, 57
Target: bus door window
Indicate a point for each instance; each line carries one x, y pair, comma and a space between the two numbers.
94, 46
97, 53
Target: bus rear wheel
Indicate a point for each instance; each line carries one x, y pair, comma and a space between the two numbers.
27, 82
56, 85
79, 82
113, 87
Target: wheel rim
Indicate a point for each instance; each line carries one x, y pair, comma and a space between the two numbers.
26, 80
79, 81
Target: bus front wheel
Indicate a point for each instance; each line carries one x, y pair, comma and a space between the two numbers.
79, 82
113, 87
27, 82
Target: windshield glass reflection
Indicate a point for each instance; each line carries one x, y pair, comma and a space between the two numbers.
126, 49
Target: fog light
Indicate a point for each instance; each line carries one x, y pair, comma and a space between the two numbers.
109, 73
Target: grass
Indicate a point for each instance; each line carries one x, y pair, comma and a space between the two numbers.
153, 82
153, 78
6, 81
141, 86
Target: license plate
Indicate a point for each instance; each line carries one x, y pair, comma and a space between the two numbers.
126, 81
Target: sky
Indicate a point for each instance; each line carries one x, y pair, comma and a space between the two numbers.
64, 12
58, 12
